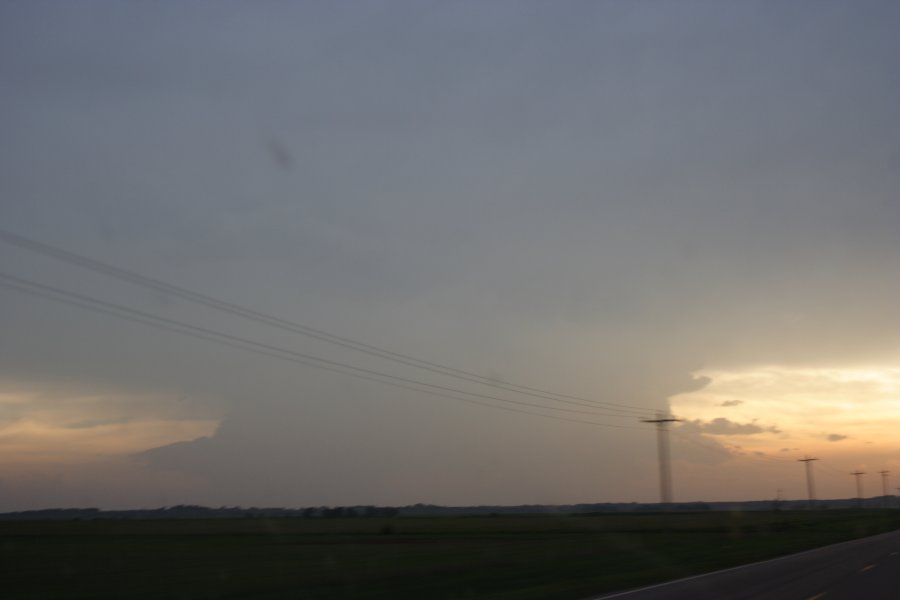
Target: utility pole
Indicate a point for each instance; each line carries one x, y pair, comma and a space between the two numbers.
779, 500
662, 444
859, 494
884, 487
810, 484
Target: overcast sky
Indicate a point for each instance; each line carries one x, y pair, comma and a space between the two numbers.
688, 207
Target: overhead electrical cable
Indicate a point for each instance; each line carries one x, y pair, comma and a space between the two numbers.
109, 308
834, 470
284, 324
733, 450
171, 328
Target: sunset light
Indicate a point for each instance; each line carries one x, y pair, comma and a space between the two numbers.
830, 410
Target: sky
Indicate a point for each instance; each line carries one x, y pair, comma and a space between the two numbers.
635, 208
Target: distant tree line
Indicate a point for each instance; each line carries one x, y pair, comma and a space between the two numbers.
192, 511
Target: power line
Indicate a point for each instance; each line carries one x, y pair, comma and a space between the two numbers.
758, 455
284, 324
687, 438
111, 309
730, 450
834, 471
180, 325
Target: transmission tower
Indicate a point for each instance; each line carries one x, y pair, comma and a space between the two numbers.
884, 487
810, 484
662, 443
859, 490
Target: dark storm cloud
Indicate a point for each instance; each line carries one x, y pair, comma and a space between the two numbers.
597, 198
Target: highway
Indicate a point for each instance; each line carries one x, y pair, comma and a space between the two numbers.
866, 568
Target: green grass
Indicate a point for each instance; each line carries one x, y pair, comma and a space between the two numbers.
546, 557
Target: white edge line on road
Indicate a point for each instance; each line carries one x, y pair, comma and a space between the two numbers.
737, 568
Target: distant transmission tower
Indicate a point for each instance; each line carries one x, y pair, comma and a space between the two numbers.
665, 468
884, 487
810, 484
859, 490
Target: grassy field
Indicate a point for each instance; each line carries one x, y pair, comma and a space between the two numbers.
546, 557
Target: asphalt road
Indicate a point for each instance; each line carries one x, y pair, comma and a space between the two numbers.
866, 568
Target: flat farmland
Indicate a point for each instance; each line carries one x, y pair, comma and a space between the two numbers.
505, 557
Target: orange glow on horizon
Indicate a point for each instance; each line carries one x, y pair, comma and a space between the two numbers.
848, 412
